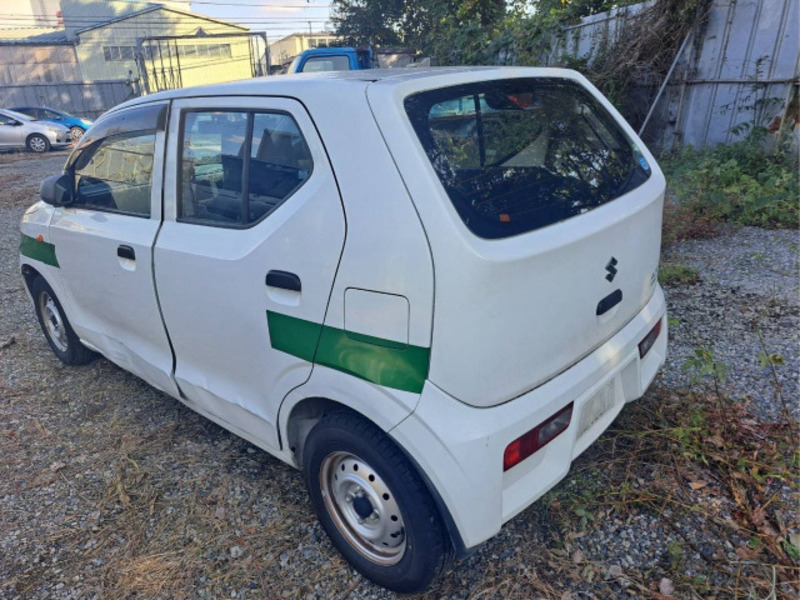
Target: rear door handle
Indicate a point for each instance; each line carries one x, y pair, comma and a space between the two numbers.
126, 252
284, 280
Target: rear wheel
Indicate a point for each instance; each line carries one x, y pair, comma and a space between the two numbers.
373, 504
76, 133
38, 143
56, 327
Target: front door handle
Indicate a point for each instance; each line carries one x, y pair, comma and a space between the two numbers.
284, 280
126, 252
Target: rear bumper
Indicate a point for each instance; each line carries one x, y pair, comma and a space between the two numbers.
460, 447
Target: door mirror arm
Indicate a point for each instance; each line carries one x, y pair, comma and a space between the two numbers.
58, 190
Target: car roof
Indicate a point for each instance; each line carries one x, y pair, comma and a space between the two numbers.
10, 112
301, 84
330, 50
29, 107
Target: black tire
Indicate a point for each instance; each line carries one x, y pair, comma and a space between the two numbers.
427, 547
76, 133
38, 143
59, 333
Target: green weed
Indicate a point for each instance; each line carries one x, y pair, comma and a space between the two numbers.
677, 274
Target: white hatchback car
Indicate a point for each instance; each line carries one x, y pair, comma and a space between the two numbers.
431, 290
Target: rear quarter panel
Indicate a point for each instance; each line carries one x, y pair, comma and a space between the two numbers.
385, 251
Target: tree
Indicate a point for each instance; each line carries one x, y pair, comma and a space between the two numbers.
413, 23
365, 22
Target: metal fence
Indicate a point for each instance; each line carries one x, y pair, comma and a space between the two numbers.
741, 72
80, 98
738, 69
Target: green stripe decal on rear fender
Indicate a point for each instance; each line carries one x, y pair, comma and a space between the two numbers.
42, 251
377, 360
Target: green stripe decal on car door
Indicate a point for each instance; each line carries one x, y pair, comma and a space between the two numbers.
42, 251
377, 360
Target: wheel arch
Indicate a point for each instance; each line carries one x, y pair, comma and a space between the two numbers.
29, 273
305, 413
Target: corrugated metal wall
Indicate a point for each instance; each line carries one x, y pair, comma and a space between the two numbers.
22, 63
84, 99
740, 69
739, 73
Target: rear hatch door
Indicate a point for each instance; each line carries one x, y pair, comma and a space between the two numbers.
543, 212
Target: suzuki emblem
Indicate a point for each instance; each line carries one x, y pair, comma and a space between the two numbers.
611, 267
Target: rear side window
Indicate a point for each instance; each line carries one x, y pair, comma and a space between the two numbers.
238, 166
515, 155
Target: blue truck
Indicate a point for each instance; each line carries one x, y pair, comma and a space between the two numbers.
332, 59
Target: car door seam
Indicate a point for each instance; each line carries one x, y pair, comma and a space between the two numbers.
153, 254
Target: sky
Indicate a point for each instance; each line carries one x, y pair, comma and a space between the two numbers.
278, 18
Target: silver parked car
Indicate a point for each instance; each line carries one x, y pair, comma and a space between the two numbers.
21, 131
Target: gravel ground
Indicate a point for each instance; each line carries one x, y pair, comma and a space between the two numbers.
747, 304
110, 489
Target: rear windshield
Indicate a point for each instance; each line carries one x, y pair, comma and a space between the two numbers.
515, 155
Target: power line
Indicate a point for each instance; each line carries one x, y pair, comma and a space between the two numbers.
144, 26
83, 20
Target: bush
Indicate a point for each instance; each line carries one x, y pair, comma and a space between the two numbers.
739, 183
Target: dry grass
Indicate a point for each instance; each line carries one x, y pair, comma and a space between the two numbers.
138, 497
112, 490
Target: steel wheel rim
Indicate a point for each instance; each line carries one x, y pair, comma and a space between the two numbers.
76, 133
363, 508
53, 322
38, 144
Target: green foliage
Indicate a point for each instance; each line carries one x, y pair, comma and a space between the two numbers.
739, 183
791, 550
412, 23
676, 274
526, 32
702, 363
770, 359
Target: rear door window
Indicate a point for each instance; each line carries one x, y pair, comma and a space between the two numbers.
516, 155
238, 166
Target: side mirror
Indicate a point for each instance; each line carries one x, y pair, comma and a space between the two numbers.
15, 123
57, 190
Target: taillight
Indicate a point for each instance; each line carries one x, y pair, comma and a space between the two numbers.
538, 437
649, 340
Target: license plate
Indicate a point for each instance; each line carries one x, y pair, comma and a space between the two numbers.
597, 406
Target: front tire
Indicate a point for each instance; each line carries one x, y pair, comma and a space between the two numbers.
373, 504
76, 133
56, 327
38, 143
